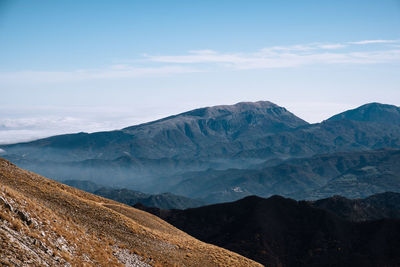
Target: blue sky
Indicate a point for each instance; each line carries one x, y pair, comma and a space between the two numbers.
68, 66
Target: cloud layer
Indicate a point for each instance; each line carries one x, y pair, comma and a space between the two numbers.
19, 124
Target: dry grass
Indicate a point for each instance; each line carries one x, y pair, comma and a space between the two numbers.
49, 227
96, 225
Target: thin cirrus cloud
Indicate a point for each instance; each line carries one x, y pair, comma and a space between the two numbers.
355, 52
332, 46
365, 42
293, 56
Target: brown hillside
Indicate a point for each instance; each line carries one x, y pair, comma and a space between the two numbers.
43, 222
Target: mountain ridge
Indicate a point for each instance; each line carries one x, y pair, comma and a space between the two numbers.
129, 197
170, 136
371, 112
375, 207
279, 231
313, 177
221, 110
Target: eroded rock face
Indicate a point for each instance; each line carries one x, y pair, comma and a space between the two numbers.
25, 217
29, 239
129, 259
25, 241
5, 203
21, 245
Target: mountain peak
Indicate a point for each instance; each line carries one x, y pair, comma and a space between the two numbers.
371, 112
227, 119
223, 110
248, 105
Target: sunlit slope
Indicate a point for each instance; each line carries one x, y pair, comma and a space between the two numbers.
93, 230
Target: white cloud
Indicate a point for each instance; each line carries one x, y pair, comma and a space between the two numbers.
332, 46
19, 124
299, 47
366, 42
203, 52
37, 126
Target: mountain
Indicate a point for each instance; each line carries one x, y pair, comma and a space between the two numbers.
152, 156
231, 122
283, 232
375, 175
195, 140
372, 112
130, 197
183, 135
351, 174
371, 126
84, 185
326, 137
375, 207
46, 223
162, 201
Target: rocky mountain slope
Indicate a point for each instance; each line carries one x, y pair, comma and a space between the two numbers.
283, 232
43, 222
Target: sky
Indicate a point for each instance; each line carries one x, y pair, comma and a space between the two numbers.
70, 66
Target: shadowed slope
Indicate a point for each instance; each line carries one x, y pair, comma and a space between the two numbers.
375, 207
283, 232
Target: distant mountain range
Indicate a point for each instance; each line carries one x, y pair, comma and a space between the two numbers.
351, 174
283, 232
376, 207
180, 153
130, 197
